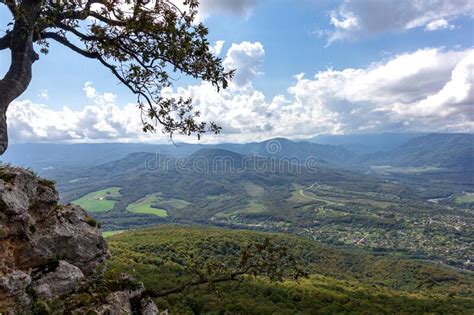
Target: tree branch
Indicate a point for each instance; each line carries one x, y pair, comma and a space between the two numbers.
74, 31
155, 294
64, 41
84, 14
5, 41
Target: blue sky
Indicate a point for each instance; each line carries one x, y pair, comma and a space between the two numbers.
285, 38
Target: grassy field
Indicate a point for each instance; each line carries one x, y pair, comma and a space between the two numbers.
145, 205
466, 198
254, 207
304, 196
405, 170
323, 193
99, 201
172, 202
111, 233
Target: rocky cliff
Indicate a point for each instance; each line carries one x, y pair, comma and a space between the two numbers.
50, 254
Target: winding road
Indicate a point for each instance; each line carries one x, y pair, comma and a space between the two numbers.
309, 187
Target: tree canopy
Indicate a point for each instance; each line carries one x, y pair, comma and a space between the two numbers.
142, 42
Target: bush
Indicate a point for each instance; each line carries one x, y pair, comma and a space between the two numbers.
40, 308
8, 177
90, 220
47, 182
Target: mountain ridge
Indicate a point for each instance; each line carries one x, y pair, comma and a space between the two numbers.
442, 150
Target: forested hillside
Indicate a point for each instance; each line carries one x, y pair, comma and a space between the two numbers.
338, 282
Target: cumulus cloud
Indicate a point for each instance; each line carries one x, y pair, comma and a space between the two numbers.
247, 59
355, 18
455, 98
217, 48
31, 122
102, 120
429, 89
426, 90
91, 93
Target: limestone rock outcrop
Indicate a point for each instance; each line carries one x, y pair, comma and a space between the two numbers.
48, 251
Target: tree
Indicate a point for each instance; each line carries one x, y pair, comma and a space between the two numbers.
140, 41
258, 258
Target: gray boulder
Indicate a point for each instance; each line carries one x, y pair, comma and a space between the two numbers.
62, 281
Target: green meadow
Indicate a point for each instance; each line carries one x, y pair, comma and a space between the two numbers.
99, 201
111, 233
145, 205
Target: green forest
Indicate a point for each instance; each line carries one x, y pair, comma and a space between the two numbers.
338, 281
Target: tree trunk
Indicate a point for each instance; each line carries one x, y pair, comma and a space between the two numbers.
23, 56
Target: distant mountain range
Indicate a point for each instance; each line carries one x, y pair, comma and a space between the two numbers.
368, 143
451, 151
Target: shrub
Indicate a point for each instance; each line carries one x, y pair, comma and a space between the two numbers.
8, 177
89, 220
47, 182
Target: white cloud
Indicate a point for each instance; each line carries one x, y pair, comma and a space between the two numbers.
429, 89
91, 93
31, 122
43, 94
217, 48
440, 24
355, 18
102, 120
426, 90
247, 59
455, 98
89, 90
